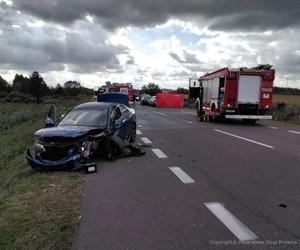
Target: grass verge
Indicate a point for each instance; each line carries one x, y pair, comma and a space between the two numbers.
37, 210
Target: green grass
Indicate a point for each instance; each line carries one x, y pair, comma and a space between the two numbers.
37, 210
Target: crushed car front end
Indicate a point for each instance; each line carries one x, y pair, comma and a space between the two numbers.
64, 152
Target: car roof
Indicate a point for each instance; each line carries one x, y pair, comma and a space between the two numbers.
95, 105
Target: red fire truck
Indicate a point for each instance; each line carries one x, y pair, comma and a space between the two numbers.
125, 88
244, 93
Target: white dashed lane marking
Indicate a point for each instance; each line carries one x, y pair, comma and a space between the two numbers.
146, 140
159, 153
160, 113
183, 176
242, 232
273, 127
139, 132
294, 132
243, 138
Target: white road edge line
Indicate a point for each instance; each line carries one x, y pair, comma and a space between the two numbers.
159, 153
243, 138
183, 176
242, 232
294, 132
160, 113
189, 122
146, 140
139, 132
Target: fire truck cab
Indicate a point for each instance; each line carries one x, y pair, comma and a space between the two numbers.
244, 93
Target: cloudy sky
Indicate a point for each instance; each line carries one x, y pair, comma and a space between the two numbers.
142, 41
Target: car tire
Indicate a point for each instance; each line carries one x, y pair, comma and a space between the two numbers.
133, 133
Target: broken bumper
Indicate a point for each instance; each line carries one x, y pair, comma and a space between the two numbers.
71, 162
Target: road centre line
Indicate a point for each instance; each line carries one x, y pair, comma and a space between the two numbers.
243, 138
189, 122
294, 132
183, 176
160, 113
146, 140
139, 132
159, 153
241, 231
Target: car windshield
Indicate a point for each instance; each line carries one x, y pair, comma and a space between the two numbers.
84, 117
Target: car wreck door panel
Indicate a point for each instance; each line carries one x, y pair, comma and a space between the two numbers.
119, 123
125, 121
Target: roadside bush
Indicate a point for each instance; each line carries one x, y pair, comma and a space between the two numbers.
19, 97
283, 112
3, 94
16, 97
189, 102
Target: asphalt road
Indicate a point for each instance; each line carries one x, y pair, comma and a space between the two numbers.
199, 186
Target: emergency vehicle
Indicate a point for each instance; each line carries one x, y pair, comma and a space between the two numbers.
243, 93
124, 88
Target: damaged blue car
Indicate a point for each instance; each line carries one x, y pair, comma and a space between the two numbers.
89, 129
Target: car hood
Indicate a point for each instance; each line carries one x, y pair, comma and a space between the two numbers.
67, 131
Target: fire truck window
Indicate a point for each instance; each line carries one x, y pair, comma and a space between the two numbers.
222, 82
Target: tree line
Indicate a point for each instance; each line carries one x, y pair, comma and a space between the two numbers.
286, 91
152, 89
34, 88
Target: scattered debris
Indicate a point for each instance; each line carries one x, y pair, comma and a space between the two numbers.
282, 205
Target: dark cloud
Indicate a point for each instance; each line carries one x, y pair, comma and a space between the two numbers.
180, 74
130, 61
188, 58
220, 15
82, 49
176, 57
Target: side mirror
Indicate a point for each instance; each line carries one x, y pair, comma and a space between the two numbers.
49, 122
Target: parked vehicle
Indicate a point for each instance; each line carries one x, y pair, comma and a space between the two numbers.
86, 129
244, 93
152, 101
145, 98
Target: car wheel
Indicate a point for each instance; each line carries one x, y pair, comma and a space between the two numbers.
133, 133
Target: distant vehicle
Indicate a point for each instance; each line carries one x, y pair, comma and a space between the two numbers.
114, 98
152, 101
145, 98
244, 93
86, 129
124, 88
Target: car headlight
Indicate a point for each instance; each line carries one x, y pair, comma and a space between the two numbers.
38, 144
86, 148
